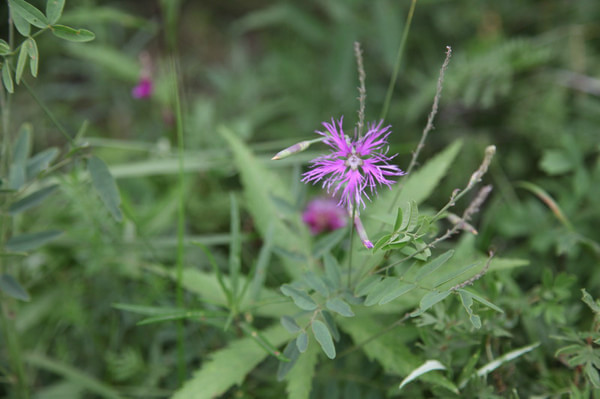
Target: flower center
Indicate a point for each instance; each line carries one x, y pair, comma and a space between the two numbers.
353, 162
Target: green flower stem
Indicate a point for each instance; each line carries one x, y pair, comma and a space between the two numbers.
353, 215
181, 366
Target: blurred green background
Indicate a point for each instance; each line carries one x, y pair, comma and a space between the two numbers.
524, 76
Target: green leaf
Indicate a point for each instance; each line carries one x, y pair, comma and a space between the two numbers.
21, 150
32, 51
4, 47
589, 300
31, 14
21, 61
11, 287
289, 324
54, 9
20, 23
323, 337
94, 386
421, 183
482, 300
400, 290
429, 365
328, 318
391, 351
300, 378
316, 283
366, 285
325, 244
493, 365
433, 265
592, 375
467, 301
291, 352
217, 374
7, 80
105, 186
260, 185
71, 34
31, 200
40, 162
31, 241
430, 299
381, 289
332, 270
339, 306
300, 298
302, 341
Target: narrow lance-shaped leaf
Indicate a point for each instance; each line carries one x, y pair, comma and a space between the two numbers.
31, 200
105, 186
40, 161
21, 62
433, 265
54, 9
339, 306
7, 80
323, 337
4, 47
11, 287
32, 51
31, 14
71, 34
31, 241
426, 367
430, 299
401, 289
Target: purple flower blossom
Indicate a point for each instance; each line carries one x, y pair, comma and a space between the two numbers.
324, 214
143, 88
353, 166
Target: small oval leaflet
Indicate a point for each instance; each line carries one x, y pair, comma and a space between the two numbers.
289, 324
300, 298
71, 34
302, 341
323, 337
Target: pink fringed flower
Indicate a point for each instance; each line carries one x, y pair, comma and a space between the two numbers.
324, 214
353, 166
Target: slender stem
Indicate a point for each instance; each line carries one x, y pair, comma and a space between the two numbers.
7, 322
49, 114
390, 90
181, 366
353, 214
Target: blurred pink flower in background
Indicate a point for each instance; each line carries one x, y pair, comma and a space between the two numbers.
324, 214
145, 85
143, 88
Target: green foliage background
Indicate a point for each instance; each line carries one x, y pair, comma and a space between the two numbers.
255, 77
